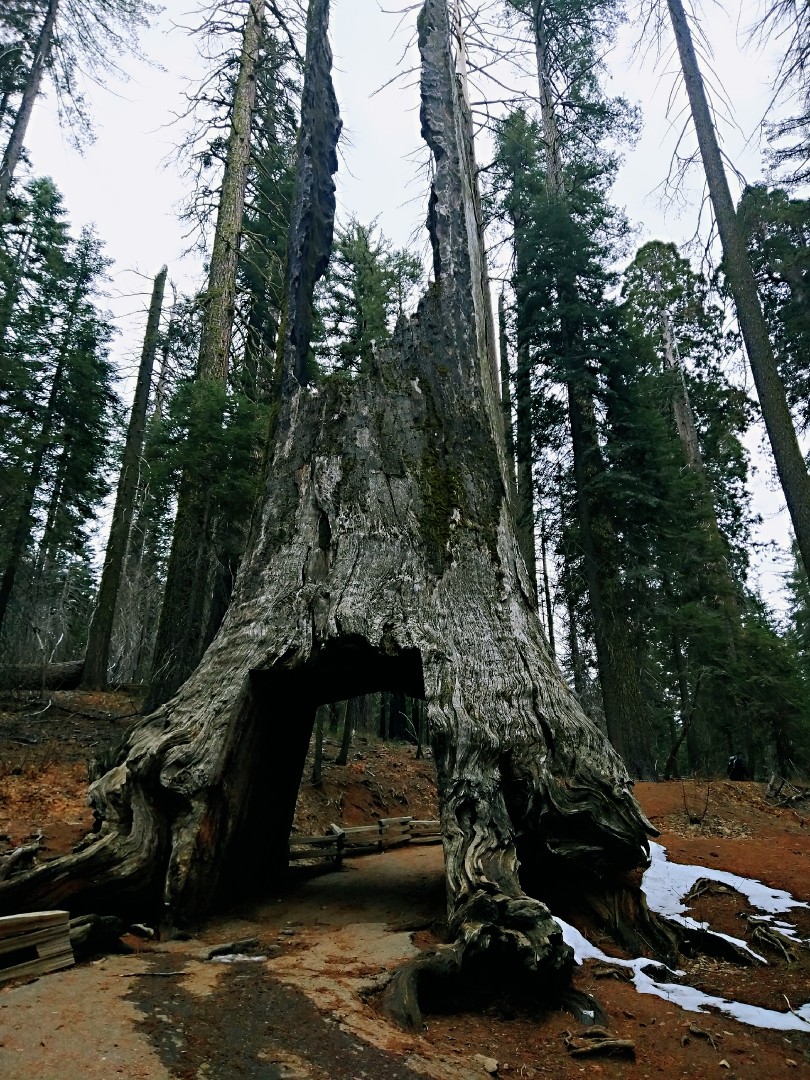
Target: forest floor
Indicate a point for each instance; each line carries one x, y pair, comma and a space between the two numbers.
297, 1003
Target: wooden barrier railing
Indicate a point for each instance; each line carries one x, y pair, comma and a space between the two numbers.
342, 840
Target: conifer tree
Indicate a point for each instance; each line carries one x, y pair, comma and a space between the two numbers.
777, 232
60, 38
561, 311
101, 627
57, 397
790, 464
184, 618
364, 292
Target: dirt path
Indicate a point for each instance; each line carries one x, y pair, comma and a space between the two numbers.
300, 1013
168, 1012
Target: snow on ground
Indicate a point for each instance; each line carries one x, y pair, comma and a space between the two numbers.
665, 884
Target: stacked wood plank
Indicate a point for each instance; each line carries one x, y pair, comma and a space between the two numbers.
34, 943
427, 831
395, 831
330, 846
343, 840
363, 839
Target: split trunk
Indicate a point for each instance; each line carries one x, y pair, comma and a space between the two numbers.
383, 557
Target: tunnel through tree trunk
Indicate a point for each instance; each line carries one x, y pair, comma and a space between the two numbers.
383, 557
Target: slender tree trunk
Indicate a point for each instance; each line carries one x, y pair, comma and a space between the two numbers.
54, 503
787, 454
14, 148
334, 718
625, 711
9, 301
525, 459
546, 583
385, 715
349, 719
317, 762
98, 641
551, 131
681, 405
190, 575
506, 397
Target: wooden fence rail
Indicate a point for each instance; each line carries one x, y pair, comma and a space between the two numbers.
342, 840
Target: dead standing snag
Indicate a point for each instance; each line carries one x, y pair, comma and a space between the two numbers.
383, 557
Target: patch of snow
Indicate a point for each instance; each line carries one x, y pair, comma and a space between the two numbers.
665, 884
689, 999
237, 958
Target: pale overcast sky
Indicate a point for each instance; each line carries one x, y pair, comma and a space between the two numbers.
128, 186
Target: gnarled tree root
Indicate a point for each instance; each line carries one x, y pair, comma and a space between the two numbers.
119, 872
509, 936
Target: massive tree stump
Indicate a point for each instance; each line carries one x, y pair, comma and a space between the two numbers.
383, 557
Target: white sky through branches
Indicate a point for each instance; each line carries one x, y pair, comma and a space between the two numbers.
129, 186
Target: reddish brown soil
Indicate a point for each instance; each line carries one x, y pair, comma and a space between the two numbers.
301, 1014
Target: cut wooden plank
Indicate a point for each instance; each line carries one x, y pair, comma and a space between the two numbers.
33, 938
34, 943
313, 841
10, 925
328, 846
395, 831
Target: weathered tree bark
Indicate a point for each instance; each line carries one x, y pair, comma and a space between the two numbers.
546, 584
384, 556
524, 452
191, 571
313, 213
790, 464
14, 148
101, 626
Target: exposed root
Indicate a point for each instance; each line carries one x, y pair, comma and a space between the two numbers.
508, 938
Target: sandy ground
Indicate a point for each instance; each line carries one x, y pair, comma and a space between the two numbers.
299, 1006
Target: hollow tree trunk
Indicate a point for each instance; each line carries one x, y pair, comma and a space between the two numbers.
384, 556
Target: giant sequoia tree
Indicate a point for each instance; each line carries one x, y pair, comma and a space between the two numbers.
383, 556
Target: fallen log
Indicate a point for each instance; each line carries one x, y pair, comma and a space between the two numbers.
65, 676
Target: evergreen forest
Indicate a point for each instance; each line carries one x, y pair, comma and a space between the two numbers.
648, 389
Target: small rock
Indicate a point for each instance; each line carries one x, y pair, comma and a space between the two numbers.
141, 930
488, 1064
793, 1064
724, 1064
